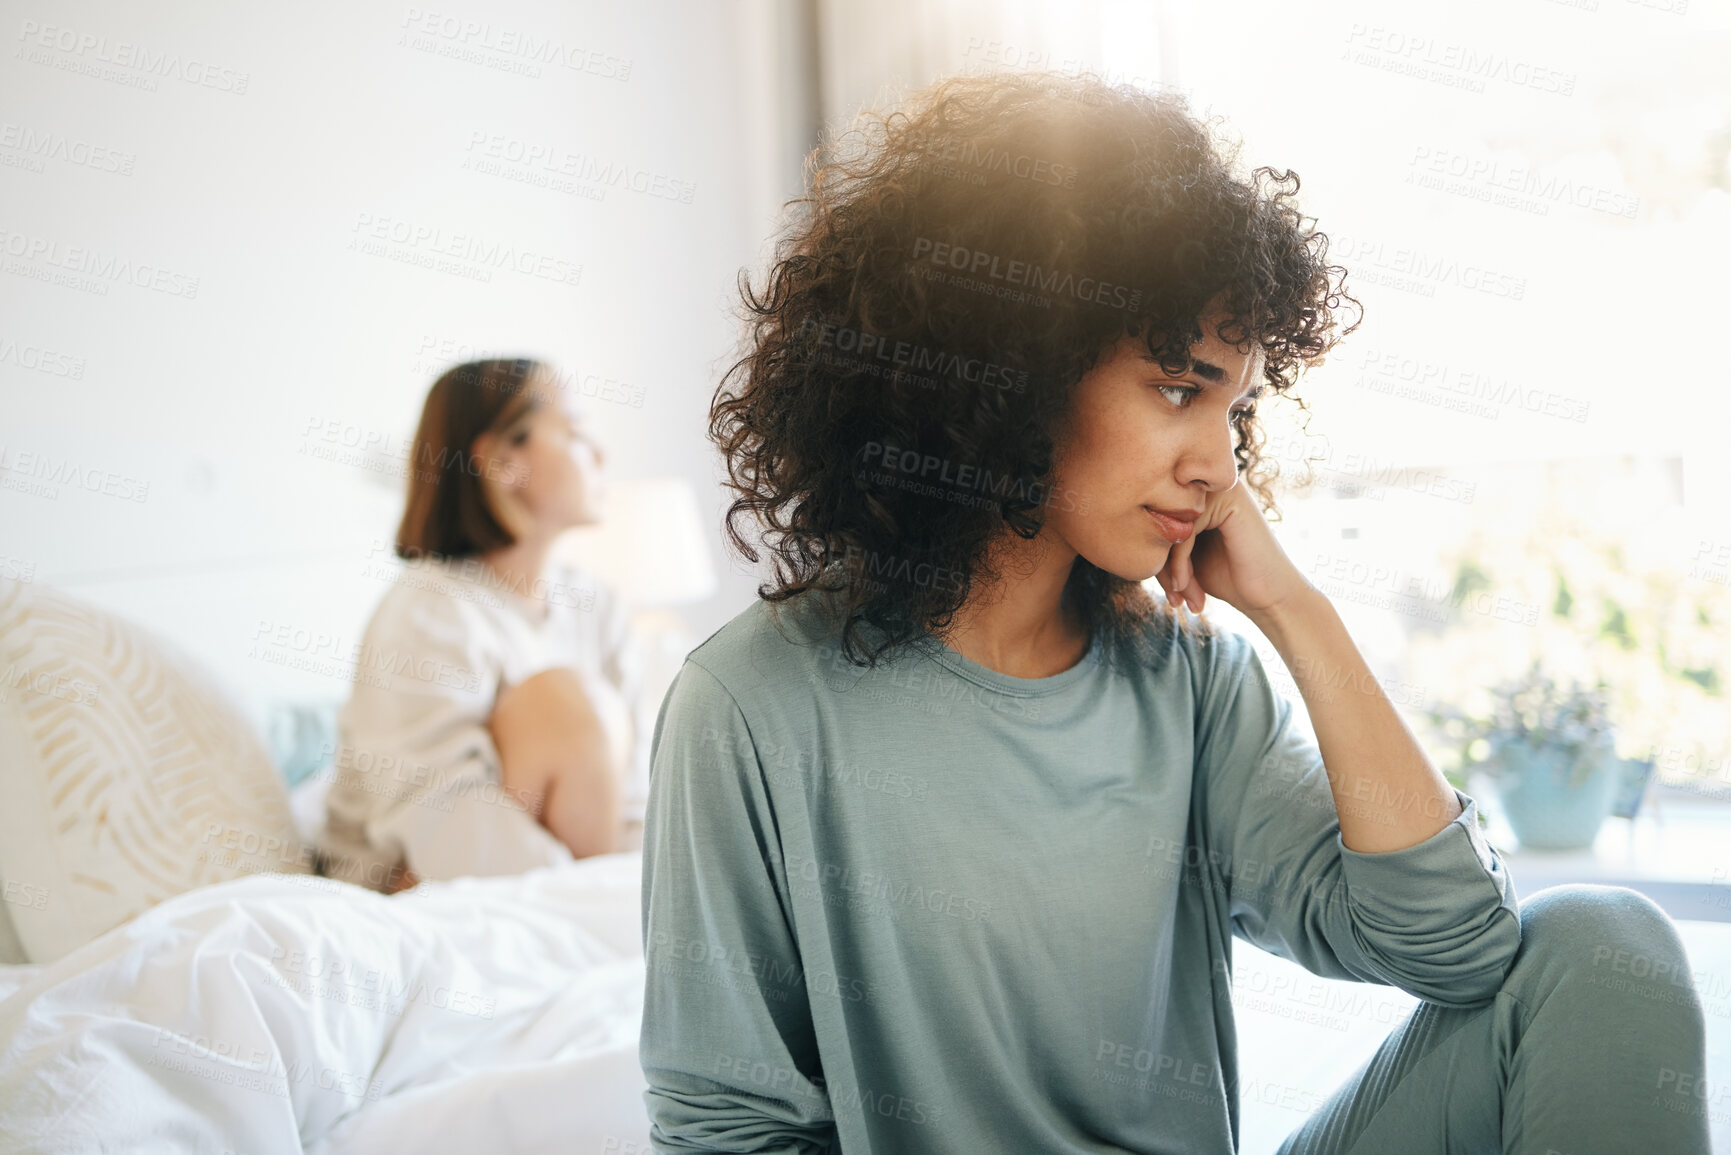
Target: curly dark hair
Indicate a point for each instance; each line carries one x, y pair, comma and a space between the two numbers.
955, 268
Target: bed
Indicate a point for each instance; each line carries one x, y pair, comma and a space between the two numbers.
273, 1010
283, 1013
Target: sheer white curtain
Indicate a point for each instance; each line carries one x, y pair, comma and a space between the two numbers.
870, 54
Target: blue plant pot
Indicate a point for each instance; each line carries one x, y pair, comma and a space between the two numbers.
1544, 809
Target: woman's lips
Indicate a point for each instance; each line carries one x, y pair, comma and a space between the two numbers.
1173, 529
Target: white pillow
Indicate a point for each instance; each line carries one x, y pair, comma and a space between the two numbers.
11, 950
126, 777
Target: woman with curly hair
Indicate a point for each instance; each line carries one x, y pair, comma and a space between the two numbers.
949, 833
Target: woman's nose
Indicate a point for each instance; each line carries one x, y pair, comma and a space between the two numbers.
1214, 462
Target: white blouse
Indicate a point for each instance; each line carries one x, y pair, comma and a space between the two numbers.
417, 775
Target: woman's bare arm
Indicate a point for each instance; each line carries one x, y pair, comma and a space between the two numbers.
1387, 793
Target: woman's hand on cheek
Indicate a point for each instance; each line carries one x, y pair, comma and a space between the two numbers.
1233, 555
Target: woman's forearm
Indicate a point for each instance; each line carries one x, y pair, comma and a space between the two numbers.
1386, 792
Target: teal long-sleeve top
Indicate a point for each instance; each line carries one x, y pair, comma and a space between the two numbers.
930, 907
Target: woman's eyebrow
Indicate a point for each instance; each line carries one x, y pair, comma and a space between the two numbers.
1207, 370
1211, 373
1203, 369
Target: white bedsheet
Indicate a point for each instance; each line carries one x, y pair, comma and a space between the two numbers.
282, 1014
275, 1014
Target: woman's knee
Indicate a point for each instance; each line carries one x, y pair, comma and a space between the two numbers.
1610, 936
538, 726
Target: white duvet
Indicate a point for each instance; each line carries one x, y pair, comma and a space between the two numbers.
281, 1014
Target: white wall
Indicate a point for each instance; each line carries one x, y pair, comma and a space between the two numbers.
200, 407
204, 174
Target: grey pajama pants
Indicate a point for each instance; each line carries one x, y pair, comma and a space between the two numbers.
1595, 1045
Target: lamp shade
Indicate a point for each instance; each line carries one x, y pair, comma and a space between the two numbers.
650, 545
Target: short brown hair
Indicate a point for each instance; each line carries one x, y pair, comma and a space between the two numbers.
446, 514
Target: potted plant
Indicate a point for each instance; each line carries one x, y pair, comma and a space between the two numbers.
1550, 750
1600, 597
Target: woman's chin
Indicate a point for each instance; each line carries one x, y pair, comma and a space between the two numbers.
1138, 568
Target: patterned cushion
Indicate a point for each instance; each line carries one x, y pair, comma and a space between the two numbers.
126, 777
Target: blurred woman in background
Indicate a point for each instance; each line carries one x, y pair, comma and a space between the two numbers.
499, 733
